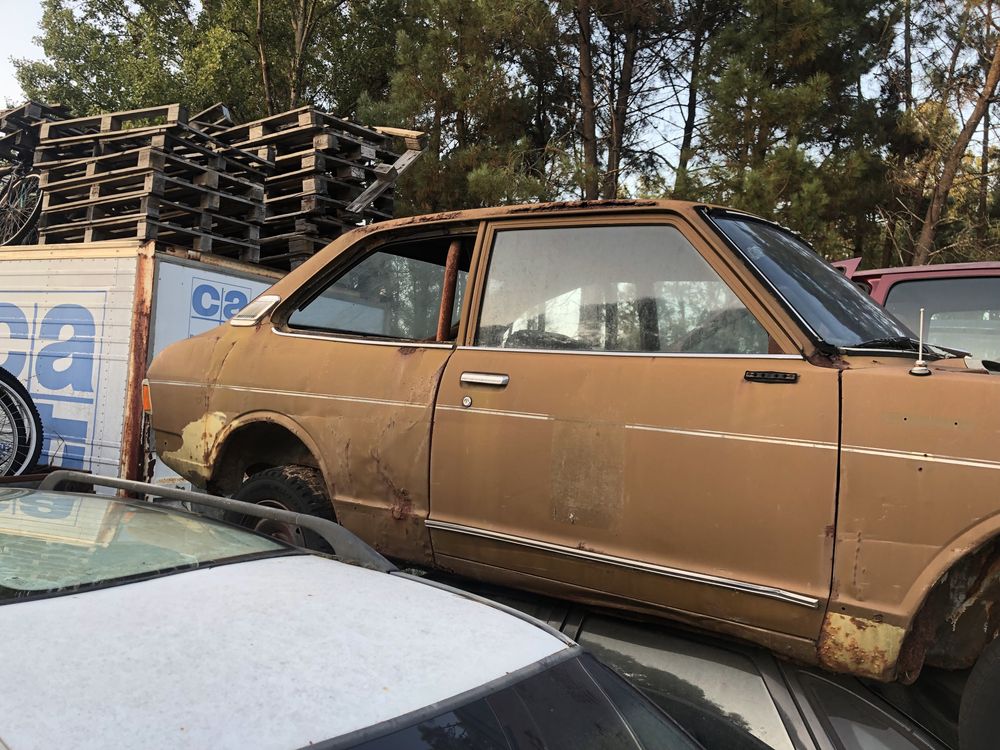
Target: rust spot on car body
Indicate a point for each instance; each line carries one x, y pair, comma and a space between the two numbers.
859, 646
401, 506
958, 618
198, 442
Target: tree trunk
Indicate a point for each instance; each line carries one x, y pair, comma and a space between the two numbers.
907, 64
265, 65
922, 252
619, 114
588, 134
984, 180
681, 188
301, 32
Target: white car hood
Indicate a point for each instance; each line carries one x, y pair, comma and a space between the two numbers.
273, 653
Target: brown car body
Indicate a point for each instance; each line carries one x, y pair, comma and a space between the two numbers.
844, 512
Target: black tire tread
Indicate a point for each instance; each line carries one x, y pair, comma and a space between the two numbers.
305, 484
12, 384
978, 719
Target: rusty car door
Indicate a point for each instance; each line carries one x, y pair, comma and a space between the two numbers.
353, 361
618, 422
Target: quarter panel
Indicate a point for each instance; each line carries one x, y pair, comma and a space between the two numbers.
367, 407
918, 484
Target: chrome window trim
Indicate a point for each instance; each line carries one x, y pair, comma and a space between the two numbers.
707, 215
361, 340
769, 592
599, 353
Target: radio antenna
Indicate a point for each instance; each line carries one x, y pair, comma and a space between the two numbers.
920, 367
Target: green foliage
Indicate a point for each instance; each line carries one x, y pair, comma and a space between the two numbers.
799, 110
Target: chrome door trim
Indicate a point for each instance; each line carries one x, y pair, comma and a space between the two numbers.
401, 343
595, 353
769, 592
496, 379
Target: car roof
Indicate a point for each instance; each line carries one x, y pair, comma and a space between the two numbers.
927, 270
271, 653
527, 209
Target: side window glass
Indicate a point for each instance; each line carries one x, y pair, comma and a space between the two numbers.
616, 289
395, 292
715, 694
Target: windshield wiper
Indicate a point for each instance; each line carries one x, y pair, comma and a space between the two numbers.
903, 343
909, 344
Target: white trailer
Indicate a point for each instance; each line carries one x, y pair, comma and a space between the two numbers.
80, 323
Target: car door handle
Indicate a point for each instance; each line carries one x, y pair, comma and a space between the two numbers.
496, 379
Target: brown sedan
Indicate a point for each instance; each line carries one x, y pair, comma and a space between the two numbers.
666, 407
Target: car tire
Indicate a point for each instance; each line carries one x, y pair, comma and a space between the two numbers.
978, 719
17, 404
300, 489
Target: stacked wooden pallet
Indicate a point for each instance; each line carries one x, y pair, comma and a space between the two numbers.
149, 174
19, 129
322, 163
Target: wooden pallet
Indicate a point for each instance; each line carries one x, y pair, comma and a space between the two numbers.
150, 174
72, 180
201, 236
76, 179
274, 190
19, 129
213, 119
286, 206
113, 122
73, 204
181, 141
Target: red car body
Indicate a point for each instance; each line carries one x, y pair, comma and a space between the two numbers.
961, 301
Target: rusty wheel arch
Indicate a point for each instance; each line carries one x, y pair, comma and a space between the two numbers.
254, 447
957, 618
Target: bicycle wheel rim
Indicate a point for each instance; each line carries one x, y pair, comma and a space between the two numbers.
20, 206
18, 438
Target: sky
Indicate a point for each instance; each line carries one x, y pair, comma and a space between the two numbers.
19, 27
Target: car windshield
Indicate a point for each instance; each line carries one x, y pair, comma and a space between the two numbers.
577, 704
963, 313
53, 543
836, 310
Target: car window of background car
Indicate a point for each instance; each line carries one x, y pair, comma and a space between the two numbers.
394, 293
716, 694
855, 724
617, 289
574, 705
835, 309
963, 313
59, 543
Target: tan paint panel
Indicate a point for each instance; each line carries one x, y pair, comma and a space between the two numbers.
672, 488
919, 482
368, 409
